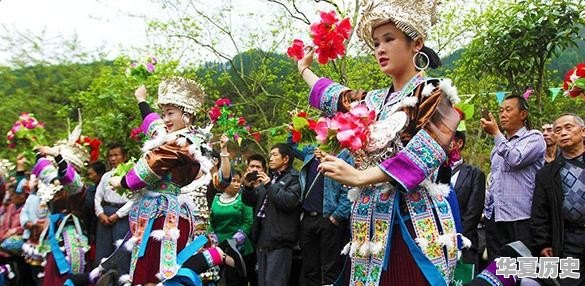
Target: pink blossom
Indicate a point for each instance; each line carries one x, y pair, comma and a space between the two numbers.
17, 126
31, 123
150, 67
322, 129
364, 113
214, 113
24, 116
349, 139
223, 101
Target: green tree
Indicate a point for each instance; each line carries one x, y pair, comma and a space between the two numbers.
515, 41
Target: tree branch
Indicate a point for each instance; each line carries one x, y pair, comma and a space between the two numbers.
304, 19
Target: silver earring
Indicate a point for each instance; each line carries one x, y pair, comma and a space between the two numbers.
427, 61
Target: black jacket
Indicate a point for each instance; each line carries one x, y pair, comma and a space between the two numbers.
470, 190
282, 211
547, 222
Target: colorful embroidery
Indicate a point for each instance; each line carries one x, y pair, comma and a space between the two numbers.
373, 214
427, 229
144, 172
447, 225
330, 98
371, 221
154, 127
425, 152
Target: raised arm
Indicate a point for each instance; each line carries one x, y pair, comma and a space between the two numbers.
304, 66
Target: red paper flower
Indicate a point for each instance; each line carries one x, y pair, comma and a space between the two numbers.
296, 136
312, 124
296, 50
241, 121
574, 81
214, 114
223, 102
329, 36
135, 133
94, 146
256, 136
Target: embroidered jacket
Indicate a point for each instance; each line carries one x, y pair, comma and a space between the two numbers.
408, 133
164, 182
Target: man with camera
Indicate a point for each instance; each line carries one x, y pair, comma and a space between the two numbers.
276, 202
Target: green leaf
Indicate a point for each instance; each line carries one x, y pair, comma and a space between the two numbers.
580, 83
299, 123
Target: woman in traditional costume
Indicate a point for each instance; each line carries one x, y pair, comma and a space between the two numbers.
61, 191
169, 183
402, 227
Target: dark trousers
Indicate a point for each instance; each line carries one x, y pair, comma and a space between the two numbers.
106, 237
501, 233
231, 277
321, 243
574, 247
252, 277
274, 266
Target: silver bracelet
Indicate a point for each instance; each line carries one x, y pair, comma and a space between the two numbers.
224, 154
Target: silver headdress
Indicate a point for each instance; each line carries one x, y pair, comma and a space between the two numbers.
413, 17
184, 93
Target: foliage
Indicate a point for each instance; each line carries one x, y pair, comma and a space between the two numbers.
516, 40
511, 43
108, 104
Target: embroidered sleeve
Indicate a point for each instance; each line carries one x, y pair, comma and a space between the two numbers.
331, 97
417, 161
432, 124
156, 164
71, 180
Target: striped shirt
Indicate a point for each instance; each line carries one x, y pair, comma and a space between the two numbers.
515, 162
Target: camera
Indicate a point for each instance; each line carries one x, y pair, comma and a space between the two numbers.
252, 176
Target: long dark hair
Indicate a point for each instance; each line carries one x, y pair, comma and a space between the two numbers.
434, 59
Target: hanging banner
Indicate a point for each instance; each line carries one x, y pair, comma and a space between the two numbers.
461, 126
555, 91
467, 108
500, 96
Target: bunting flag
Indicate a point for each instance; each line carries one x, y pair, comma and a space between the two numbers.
500, 96
461, 126
555, 91
468, 110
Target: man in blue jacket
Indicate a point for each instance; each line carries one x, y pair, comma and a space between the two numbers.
326, 211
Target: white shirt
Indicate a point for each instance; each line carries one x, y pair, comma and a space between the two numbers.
105, 192
456, 175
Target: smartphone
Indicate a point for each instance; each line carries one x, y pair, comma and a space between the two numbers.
485, 114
